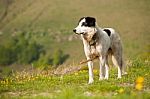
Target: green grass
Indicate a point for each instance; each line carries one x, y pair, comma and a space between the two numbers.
74, 86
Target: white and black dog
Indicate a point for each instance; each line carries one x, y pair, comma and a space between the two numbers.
100, 43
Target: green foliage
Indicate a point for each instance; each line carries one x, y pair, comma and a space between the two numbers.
57, 57
44, 62
6, 55
29, 54
19, 50
5, 71
52, 59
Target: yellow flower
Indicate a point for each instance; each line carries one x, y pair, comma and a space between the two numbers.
84, 71
95, 71
140, 80
36, 77
33, 78
139, 86
76, 74
121, 90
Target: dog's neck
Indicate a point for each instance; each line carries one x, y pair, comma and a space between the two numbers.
92, 38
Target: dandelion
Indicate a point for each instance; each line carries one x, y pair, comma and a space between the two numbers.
139, 83
84, 71
140, 80
33, 78
95, 71
36, 77
139, 86
121, 90
76, 74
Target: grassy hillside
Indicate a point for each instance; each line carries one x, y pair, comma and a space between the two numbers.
51, 22
44, 84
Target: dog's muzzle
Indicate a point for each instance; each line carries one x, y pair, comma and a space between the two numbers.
74, 30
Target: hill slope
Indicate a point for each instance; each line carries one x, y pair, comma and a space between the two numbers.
51, 22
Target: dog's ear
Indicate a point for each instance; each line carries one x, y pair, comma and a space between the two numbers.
80, 19
91, 21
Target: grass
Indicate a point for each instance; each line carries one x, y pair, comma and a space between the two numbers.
74, 85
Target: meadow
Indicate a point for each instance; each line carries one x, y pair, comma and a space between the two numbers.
45, 84
49, 23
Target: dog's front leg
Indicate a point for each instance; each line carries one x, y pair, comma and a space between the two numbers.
106, 68
102, 67
90, 66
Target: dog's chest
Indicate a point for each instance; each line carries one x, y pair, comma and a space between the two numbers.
93, 52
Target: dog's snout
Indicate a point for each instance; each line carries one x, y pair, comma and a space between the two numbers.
74, 30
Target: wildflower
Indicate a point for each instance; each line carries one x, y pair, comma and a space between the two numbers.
139, 83
33, 78
84, 71
76, 74
121, 90
139, 86
95, 71
36, 77
17, 77
140, 80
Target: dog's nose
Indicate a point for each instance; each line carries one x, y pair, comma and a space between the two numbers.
74, 30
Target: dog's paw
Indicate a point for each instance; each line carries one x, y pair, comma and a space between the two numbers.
90, 81
106, 78
101, 78
119, 77
124, 73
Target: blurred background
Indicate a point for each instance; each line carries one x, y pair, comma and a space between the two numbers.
38, 33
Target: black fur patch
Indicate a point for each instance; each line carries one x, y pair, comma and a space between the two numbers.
89, 21
107, 31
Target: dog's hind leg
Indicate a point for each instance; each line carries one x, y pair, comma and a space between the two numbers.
124, 71
117, 61
102, 67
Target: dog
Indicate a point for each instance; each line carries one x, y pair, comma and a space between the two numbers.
100, 43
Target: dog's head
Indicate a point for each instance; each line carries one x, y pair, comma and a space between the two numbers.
85, 25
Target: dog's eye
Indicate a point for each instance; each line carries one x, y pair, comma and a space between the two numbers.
84, 24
